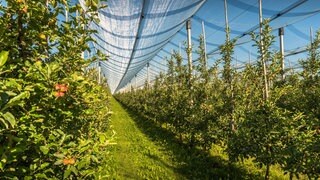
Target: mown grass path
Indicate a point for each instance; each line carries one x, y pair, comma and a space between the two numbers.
135, 155
143, 150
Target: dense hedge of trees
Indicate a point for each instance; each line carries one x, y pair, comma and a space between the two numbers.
230, 107
49, 125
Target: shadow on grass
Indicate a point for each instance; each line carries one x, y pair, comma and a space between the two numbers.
191, 163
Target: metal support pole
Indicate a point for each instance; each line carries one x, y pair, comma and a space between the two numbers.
266, 86
189, 48
148, 73
99, 72
226, 18
66, 13
236, 63
281, 34
311, 35
291, 68
77, 17
130, 86
135, 82
229, 80
205, 44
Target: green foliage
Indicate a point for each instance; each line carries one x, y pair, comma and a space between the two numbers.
311, 66
232, 110
3, 57
301, 155
49, 125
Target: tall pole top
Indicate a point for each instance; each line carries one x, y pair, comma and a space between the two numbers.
260, 14
188, 24
311, 34
226, 16
281, 31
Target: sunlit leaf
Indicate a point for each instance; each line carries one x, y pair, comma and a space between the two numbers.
10, 118
3, 57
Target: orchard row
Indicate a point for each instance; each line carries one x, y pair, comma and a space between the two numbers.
252, 114
53, 115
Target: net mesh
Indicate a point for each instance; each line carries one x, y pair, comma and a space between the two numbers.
134, 33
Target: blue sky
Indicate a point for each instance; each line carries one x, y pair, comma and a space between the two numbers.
243, 15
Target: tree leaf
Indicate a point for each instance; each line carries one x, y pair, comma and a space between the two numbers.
4, 98
67, 173
10, 118
16, 100
1, 166
58, 162
61, 156
44, 149
44, 165
3, 57
102, 138
74, 170
4, 123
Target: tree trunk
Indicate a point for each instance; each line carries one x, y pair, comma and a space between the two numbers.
266, 177
291, 176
